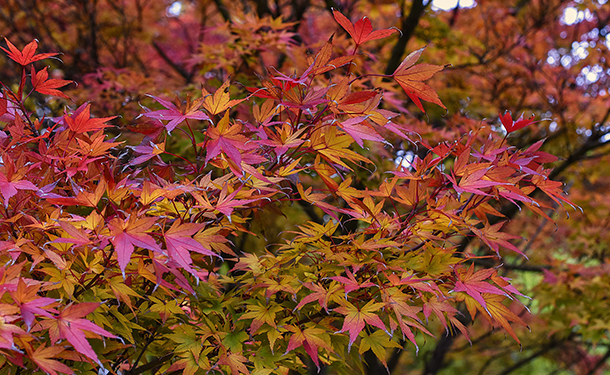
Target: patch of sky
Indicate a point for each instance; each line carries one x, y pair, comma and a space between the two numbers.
404, 158
451, 4
175, 9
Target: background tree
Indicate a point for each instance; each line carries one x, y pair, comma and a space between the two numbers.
543, 58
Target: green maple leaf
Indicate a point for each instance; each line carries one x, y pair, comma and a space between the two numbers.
378, 342
261, 315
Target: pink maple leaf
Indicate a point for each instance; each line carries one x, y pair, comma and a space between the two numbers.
69, 325
176, 115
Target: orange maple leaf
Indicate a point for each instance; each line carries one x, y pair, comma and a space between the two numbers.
81, 121
410, 77
220, 101
42, 358
44, 85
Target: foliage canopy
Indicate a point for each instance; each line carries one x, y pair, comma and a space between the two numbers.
238, 188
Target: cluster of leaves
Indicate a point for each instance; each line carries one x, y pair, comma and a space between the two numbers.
127, 258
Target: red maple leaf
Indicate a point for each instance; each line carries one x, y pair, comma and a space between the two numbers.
510, 125
81, 121
47, 86
69, 325
441, 307
553, 189
225, 203
362, 30
410, 77
28, 55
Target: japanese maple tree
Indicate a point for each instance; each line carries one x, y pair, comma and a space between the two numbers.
272, 203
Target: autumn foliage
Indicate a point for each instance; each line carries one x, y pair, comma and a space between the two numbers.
140, 242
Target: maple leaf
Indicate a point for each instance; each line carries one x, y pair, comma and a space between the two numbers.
320, 294
333, 147
225, 203
410, 77
322, 62
95, 145
179, 242
9, 186
228, 139
362, 30
510, 125
317, 199
494, 238
497, 312
220, 101
310, 339
77, 236
473, 182
150, 193
130, 233
7, 331
378, 342
29, 302
81, 121
46, 86
283, 139
350, 283
28, 55
274, 88
147, 152
176, 115
553, 189
355, 318
69, 325
261, 315
358, 129
42, 357
164, 309
398, 302
473, 283
441, 307
235, 361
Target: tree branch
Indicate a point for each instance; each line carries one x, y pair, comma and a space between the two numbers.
409, 24
187, 76
527, 360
